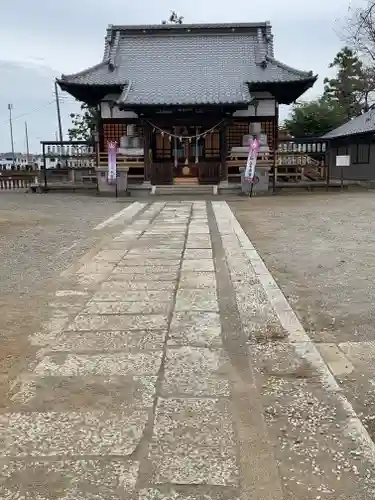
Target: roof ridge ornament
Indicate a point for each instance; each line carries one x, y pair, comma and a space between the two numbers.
113, 51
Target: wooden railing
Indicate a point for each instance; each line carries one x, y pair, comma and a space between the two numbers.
302, 159
11, 180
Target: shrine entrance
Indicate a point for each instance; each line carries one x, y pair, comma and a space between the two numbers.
186, 151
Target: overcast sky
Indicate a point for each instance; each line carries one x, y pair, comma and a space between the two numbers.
68, 36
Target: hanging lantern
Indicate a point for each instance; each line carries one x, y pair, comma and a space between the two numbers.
189, 140
170, 138
154, 130
180, 139
162, 133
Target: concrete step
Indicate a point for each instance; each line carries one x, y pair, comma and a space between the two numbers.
184, 189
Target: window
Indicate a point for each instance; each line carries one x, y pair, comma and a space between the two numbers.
363, 153
353, 154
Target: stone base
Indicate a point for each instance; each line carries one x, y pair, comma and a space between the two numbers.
110, 189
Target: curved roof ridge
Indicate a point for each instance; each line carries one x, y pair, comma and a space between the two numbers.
177, 27
84, 71
305, 74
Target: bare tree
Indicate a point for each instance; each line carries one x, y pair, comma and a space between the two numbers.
360, 31
174, 18
359, 34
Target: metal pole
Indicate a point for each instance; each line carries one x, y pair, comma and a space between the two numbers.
44, 167
10, 107
58, 112
27, 144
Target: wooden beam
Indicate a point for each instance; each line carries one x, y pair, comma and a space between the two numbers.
223, 152
275, 147
147, 148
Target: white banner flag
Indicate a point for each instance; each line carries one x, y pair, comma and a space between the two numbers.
112, 166
251, 160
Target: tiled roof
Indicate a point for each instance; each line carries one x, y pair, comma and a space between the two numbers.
363, 124
100, 74
188, 64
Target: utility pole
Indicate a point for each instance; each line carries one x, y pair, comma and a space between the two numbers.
10, 107
58, 111
27, 144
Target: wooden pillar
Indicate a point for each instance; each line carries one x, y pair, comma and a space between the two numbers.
275, 147
147, 149
101, 135
223, 152
329, 160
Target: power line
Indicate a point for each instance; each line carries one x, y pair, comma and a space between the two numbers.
30, 112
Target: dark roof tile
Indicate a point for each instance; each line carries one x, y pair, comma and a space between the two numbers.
362, 124
184, 65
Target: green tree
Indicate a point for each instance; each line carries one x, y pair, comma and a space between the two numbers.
352, 85
314, 118
174, 18
83, 123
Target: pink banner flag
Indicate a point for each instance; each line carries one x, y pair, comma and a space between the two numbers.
112, 166
252, 160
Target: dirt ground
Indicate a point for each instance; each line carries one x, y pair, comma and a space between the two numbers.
40, 236
320, 249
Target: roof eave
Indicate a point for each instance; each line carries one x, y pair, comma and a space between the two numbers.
91, 94
343, 136
285, 92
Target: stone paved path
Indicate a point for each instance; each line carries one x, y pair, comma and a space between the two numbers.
171, 367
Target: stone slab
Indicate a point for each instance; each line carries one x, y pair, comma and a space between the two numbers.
102, 341
166, 493
115, 393
195, 243
149, 262
67, 479
70, 433
197, 280
360, 354
336, 360
133, 295
110, 255
119, 322
149, 276
198, 265
195, 371
118, 307
197, 253
90, 280
195, 328
164, 253
146, 270
194, 443
124, 363
198, 300
129, 285
94, 267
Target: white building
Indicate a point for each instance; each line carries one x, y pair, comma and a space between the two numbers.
20, 161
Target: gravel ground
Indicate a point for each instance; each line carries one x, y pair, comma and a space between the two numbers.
320, 249
40, 236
